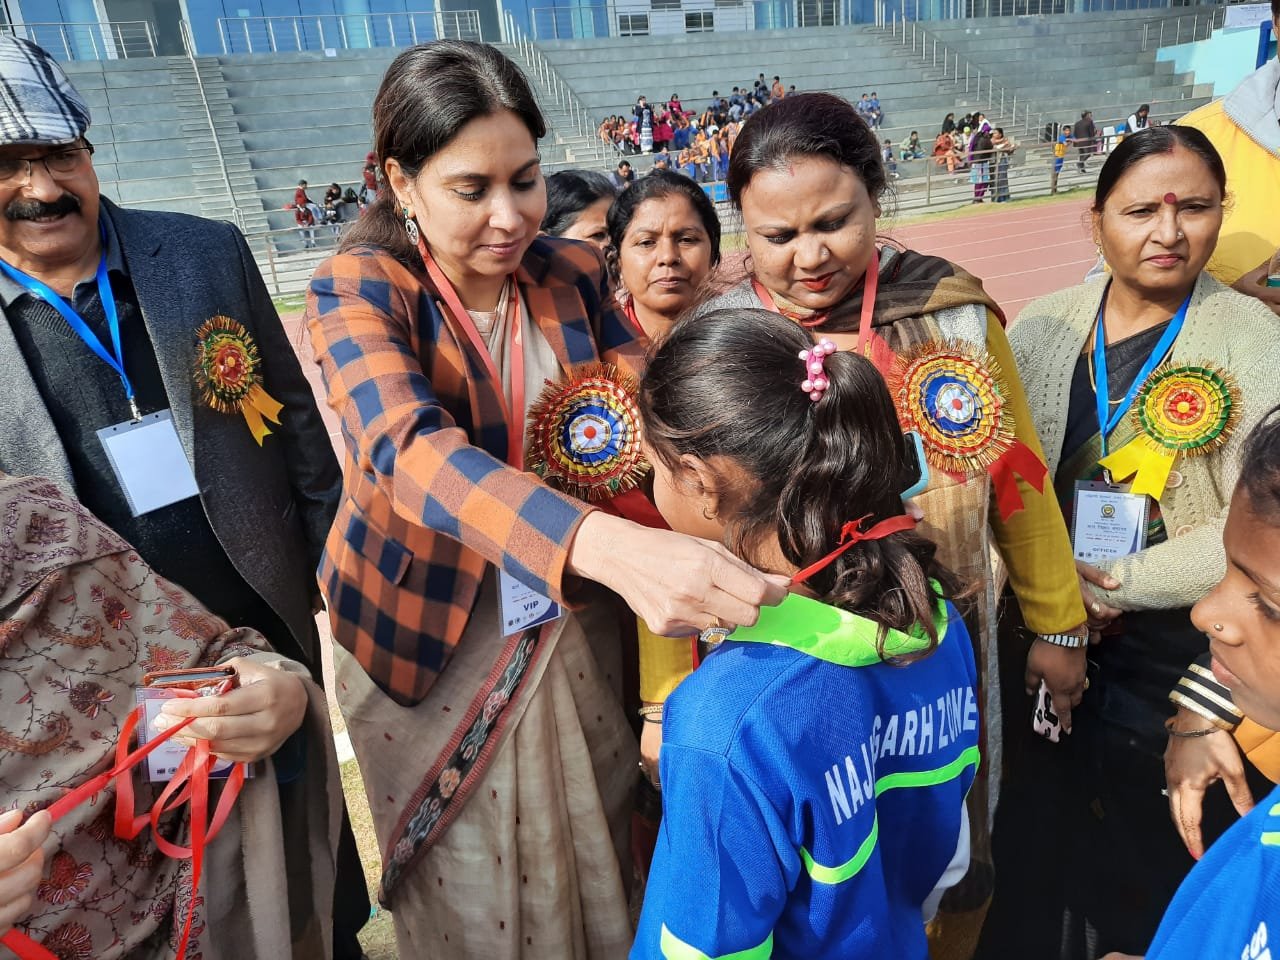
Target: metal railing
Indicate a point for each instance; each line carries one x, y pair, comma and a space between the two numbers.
545, 74
345, 31
983, 9
188, 43
999, 99
1199, 26
90, 40
1033, 162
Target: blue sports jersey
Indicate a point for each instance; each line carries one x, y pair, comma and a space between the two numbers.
1229, 905
810, 806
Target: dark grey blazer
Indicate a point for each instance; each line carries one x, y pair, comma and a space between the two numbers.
270, 506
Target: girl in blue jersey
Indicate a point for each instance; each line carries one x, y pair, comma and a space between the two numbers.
1229, 905
814, 767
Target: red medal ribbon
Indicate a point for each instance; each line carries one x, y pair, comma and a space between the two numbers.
852, 533
515, 413
870, 344
190, 782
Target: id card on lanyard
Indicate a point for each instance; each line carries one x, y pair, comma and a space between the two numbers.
1107, 520
522, 607
145, 453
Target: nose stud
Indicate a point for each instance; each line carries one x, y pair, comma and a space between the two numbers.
1217, 627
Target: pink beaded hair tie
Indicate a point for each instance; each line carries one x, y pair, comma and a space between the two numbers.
816, 383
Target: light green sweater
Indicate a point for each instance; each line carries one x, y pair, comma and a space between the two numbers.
1231, 331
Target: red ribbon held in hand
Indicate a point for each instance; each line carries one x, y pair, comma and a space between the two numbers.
190, 783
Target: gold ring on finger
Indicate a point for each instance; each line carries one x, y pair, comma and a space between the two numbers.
715, 632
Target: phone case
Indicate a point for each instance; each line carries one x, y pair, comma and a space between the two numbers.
208, 681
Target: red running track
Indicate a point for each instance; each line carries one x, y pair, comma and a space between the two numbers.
1018, 254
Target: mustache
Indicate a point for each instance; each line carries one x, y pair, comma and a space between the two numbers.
21, 209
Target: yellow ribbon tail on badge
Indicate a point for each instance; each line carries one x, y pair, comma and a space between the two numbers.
1146, 461
256, 405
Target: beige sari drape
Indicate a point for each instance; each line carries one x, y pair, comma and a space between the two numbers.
530, 868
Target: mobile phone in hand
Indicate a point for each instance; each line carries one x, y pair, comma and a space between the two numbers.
1044, 719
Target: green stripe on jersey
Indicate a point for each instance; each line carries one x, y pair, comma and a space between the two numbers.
673, 948
893, 781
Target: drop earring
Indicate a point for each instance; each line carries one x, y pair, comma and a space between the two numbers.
411, 226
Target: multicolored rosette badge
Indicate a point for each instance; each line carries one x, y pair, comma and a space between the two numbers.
584, 434
953, 395
227, 371
1190, 410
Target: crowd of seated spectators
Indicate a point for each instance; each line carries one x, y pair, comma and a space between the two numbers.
687, 141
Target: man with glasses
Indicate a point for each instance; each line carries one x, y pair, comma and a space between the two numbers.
145, 367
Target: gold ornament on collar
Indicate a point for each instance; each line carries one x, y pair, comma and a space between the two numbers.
228, 371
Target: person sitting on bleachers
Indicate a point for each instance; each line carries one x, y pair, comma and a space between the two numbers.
911, 150
368, 180
863, 108
944, 153
890, 161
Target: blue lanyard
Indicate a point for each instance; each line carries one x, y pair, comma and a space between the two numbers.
1102, 389
76, 322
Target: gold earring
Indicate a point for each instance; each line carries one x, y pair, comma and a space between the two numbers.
707, 516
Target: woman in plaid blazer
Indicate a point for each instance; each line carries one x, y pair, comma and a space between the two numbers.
497, 760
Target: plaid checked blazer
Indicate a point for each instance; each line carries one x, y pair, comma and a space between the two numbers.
428, 499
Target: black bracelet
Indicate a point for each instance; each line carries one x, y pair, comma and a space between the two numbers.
1188, 734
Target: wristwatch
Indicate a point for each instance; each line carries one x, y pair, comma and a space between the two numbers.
1072, 641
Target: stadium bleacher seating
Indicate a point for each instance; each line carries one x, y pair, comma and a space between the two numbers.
167, 128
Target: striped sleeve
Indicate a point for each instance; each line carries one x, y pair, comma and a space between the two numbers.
1199, 692
361, 313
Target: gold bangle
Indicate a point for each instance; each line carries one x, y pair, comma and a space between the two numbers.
1188, 734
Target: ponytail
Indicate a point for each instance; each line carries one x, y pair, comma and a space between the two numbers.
887, 580
726, 384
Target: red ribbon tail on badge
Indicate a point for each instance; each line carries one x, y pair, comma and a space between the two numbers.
635, 506
1018, 461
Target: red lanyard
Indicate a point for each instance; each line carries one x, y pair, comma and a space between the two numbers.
190, 782
870, 284
852, 533
629, 311
515, 413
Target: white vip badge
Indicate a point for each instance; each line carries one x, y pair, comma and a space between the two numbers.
523, 607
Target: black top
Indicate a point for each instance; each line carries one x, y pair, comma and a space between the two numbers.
1144, 653
84, 395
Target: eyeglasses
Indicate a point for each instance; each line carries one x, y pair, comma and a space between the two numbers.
60, 165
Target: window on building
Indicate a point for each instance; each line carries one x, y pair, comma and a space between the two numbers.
702, 21
730, 3
633, 24
663, 5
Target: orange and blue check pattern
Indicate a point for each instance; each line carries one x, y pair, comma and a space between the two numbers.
428, 500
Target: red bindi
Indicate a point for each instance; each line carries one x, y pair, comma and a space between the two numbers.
1171, 198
